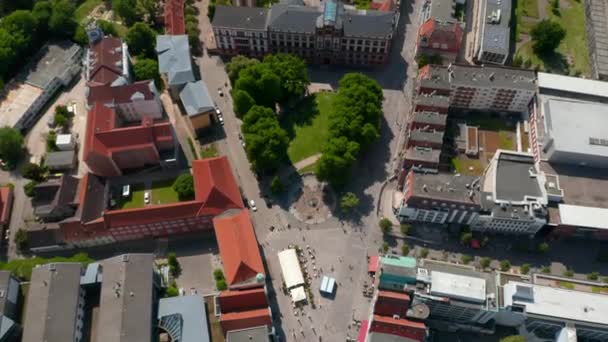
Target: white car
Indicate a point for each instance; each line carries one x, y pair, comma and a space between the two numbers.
147, 197
252, 205
220, 118
218, 111
182, 292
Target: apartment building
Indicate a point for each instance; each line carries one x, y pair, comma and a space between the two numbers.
331, 34
428, 120
493, 32
440, 32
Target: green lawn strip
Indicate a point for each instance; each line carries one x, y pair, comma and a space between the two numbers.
85, 9
309, 168
528, 8
461, 165
505, 140
566, 285
23, 267
308, 126
572, 20
136, 200
209, 151
163, 193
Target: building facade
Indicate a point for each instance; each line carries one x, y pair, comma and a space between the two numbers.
596, 12
328, 35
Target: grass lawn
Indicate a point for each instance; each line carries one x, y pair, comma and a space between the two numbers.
566, 285
23, 267
525, 139
162, 193
209, 151
505, 140
85, 8
527, 8
487, 122
309, 168
462, 164
573, 48
308, 126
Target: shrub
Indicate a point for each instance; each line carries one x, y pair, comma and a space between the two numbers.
424, 253
33, 171
51, 145
29, 188
505, 265
543, 247
569, 273
386, 226
405, 249
276, 186
184, 186
21, 239
466, 259
525, 269
385, 247
349, 202
466, 238
593, 276
546, 269
485, 262
171, 292
221, 285
405, 228
218, 274
174, 266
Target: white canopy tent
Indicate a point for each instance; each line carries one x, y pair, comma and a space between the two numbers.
290, 266
298, 294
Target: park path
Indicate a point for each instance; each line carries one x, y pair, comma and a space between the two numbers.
307, 161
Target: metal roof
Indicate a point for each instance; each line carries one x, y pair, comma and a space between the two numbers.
60, 159
290, 266
184, 318
174, 58
196, 99
572, 85
53, 61
249, 18
492, 76
457, 286
368, 23
582, 216
494, 26
293, 18
597, 22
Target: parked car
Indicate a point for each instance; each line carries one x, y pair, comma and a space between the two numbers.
218, 111
241, 140
252, 205
220, 118
147, 197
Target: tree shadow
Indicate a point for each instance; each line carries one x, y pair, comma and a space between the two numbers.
554, 61
302, 114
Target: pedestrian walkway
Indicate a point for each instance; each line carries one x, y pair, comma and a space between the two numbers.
307, 161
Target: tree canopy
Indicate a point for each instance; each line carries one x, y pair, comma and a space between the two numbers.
184, 186
547, 35
147, 69
338, 155
141, 40
265, 141
292, 73
126, 9
237, 64
349, 202
242, 102
11, 145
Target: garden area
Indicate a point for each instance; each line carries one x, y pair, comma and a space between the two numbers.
571, 55
308, 126
160, 193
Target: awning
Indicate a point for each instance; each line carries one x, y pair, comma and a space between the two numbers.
374, 263
328, 284
290, 266
298, 294
363, 331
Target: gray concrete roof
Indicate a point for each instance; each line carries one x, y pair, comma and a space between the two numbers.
445, 186
50, 313
437, 78
492, 76
572, 133
190, 311
196, 99
443, 10
126, 299
433, 100
597, 20
257, 334
60, 159
584, 186
293, 18
174, 58
5, 277
495, 32
423, 154
370, 23
430, 118
249, 18
429, 136
53, 60
513, 178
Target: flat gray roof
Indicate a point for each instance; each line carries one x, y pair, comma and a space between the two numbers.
492, 76
445, 186
125, 304
577, 127
495, 28
583, 186
59, 159
423, 154
433, 100
54, 59
597, 19
369, 23
430, 118
436, 78
443, 10
257, 334
190, 310
52, 305
429, 136
249, 18
513, 178
196, 99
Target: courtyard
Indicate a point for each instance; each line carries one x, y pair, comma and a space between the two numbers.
161, 192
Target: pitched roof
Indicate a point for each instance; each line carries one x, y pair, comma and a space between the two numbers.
106, 61
242, 300
174, 17
436, 32
125, 304
5, 203
138, 91
375, 24
238, 248
214, 184
245, 319
174, 58
250, 18
293, 18
196, 99
52, 306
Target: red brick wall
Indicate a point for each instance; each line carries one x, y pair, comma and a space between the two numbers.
162, 228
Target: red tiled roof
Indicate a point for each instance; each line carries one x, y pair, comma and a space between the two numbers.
6, 201
449, 34
215, 185
245, 319
391, 303
238, 247
106, 56
399, 327
382, 5
120, 94
108, 148
242, 300
174, 17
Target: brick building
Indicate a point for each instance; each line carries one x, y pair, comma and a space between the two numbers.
113, 143
440, 32
107, 63
6, 204
332, 34
174, 17
132, 101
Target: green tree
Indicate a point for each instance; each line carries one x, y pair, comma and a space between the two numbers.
514, 338
349, 202
147, 69
424, 253
22, 22
265, 141
593, 276
242, 102
386, 226
21, 239
80, 36
221, 285
335, 163
261, 83
525, 269
238, 63
171, 292
11, 146
62, 23
276, 186
405, 250
405, 228
292, 72
385, 247
543, 247
28, 188
485, 262
33, 171
141, 40
108, 27
42, 12
174, 267
547, 35
126, 9
147, 9
51, 142
466, 259
466, 238
184, 186
505, 265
